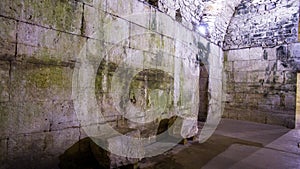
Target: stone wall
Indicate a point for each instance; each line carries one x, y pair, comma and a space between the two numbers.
51, 50
264, 23
261, 84
212, 15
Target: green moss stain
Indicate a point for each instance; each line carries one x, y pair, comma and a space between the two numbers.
104, 76
225, 56
154, 88
58, 13
45, 77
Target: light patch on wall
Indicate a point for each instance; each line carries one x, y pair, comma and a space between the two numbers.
299, 29
298, 102
202, 29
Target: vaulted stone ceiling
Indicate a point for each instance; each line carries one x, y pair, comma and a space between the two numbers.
221, 21
265, 23
213, 15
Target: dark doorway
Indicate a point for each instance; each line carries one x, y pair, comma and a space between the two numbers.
203, 93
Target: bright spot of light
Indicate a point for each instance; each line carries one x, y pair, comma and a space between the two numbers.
202, 29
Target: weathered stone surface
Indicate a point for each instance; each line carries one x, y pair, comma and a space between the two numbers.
11, 9
40, 82
4, 81
255, 53
196, 13
39, 149
7, 39
116, 30
27, 153
94, 22
47, 46
119, 7
39, 119
241, 77
3, 151
98, 4
237, 55
59, 141
30, 117
63, 116
266, 24
61, 15
8, 31
265, 83
6, 126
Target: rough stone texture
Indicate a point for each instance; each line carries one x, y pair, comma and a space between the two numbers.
44, 42
5, 81
264, 23
298, 102
215, 15
261, 84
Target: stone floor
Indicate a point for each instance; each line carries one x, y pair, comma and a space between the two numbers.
235, 144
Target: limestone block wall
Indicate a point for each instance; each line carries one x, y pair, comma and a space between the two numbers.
54, 52
214, 15
261, 84
266, 23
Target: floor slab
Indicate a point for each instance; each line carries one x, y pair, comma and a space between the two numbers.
235, 144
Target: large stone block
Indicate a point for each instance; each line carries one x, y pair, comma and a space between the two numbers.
290, 101
30, 151
244, 114
120, 8
4, 81
140, 37
252, 100
270, 100
98, 4
57, 142
270, 54
290, 77
252, 65
280, 119
12, 9
165, 24
228, 66
232, 113
65, 16
30, 117
241, 77
256, 77
48, 46
63, 115
8, 30
6, 114
238, 55
37, 82
255, 53
258, 116
295, 50
116, 30
3, 152
7, 39
94, 22
240, 98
